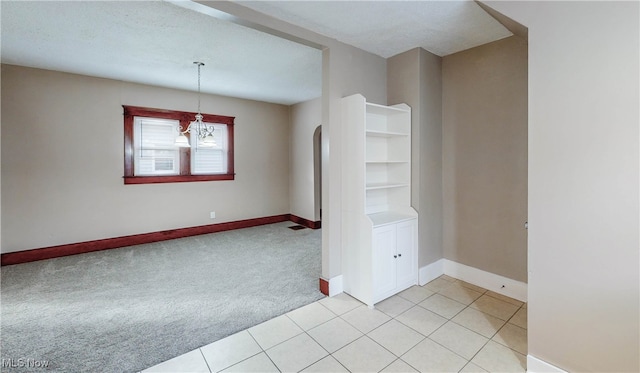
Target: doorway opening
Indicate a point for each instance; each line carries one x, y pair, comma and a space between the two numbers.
317, 173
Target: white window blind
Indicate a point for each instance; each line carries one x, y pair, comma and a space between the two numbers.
155, 152
207, 161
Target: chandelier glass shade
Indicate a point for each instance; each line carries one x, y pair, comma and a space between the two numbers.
198, 130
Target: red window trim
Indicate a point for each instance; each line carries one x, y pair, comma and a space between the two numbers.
185, 153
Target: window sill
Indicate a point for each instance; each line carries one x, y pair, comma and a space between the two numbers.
176, 178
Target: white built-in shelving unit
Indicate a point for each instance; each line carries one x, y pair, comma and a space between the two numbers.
379, 226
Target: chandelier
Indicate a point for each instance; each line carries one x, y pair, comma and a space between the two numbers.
201, 131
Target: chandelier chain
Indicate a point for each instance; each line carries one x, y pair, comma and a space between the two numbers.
199, 64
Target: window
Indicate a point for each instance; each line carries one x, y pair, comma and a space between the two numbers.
154, 150
150, 155
213, 160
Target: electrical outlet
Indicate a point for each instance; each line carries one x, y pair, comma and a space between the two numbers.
212, 214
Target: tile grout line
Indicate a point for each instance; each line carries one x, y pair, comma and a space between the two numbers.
317, 342
413, 305
451, 319
313, 339
262, 351
423, 338
367, 335
473, 331
488, 339
505, 324
438, 328
331, 353
205, 360
468, 361
427, 336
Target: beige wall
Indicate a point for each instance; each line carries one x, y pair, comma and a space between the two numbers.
415, 77
345, 70
62, 162
584, 164
305, 117
484, 152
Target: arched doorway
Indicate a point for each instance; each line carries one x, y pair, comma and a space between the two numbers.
317, 173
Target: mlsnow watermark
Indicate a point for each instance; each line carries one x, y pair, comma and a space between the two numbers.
24, 363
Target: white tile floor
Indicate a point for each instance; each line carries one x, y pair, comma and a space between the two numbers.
447, 325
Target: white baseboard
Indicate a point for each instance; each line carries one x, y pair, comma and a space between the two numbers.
431, 272
535, 365
491, 281
335, 286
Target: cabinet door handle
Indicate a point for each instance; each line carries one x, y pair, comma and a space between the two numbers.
395, 256
399, 254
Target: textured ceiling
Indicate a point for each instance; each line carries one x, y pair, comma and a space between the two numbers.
156, 42
387, 28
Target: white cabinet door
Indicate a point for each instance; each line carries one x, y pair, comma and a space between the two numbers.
405, 263
384, 264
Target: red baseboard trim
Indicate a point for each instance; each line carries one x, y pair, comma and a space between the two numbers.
117, 242
324, 286
305, 222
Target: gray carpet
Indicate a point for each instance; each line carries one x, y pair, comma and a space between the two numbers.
128, 309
